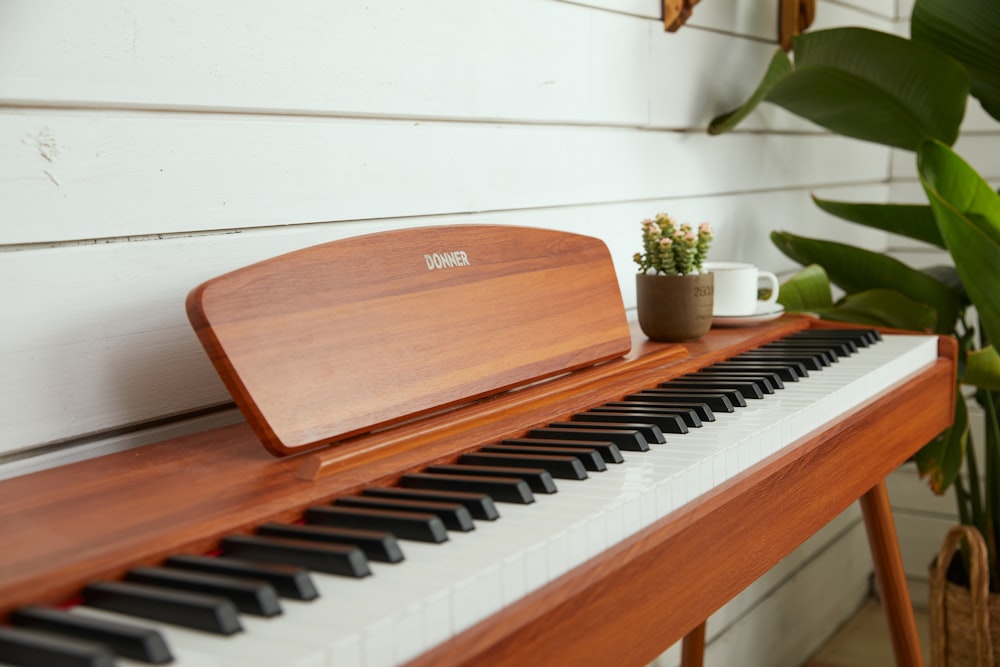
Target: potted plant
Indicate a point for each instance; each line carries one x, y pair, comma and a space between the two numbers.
911, 94
674, 297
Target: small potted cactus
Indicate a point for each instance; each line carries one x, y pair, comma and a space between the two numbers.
674, 296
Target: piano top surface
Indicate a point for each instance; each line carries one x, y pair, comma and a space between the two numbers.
95, 518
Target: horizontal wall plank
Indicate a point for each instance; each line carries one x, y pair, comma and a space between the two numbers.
864, 14
910, 493
920, 540
96, 338
884, 8
981, 150
569, 63
81, 175
751, 19
651, 9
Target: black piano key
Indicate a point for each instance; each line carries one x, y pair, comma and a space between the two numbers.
843, 348
802, 365
700, 408
454, 515
417, 526
718, 401
33, 648
772, 376
559, 466
862, 337
665, 420
651, 432
825, 354
251, 596
832, 349
589, 457
502, 489
209, 613
729, 388
628, 440
609, 451
538, 479
377, 545
126, 640
763, 383
634, 419
813, 362
786, 372
290, 581
480, 505
691, 416
750, 387
342, 559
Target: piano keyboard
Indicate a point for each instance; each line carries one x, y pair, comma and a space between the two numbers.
441, 589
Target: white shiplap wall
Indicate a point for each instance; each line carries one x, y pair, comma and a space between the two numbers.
146, 147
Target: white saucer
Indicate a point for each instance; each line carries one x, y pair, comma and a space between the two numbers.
765, 312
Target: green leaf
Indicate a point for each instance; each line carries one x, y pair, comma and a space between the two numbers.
966, 30
808, 291
982, 368
947, 274
888, 308
915, 221
968, 214
865, 84
777, 70
857, 270
940, 460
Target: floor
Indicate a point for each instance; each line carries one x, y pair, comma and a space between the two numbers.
864, 641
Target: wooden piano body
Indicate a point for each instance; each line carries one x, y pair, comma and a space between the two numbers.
95, 519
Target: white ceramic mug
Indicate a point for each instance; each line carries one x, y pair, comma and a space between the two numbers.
736, 285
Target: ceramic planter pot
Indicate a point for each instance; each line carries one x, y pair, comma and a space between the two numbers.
674, 308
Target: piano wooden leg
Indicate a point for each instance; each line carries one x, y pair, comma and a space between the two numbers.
891, 577
693, 647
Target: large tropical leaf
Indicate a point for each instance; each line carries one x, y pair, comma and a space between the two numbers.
982, 368
857, 270
968, 214
778, 70
915, 221
808, 291
940, 460
969, 31
885, 308
867, 85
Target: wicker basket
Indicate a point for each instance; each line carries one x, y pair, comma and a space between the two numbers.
965, 622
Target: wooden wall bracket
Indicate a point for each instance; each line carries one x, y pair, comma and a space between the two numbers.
794, 16
676, 13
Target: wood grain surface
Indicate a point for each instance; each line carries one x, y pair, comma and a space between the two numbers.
357, 334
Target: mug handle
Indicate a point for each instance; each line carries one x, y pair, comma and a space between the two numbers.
773, 281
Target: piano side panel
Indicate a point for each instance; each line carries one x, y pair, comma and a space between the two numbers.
650, 590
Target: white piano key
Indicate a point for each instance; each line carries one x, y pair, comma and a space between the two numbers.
512, 578
182, 658
229, 651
